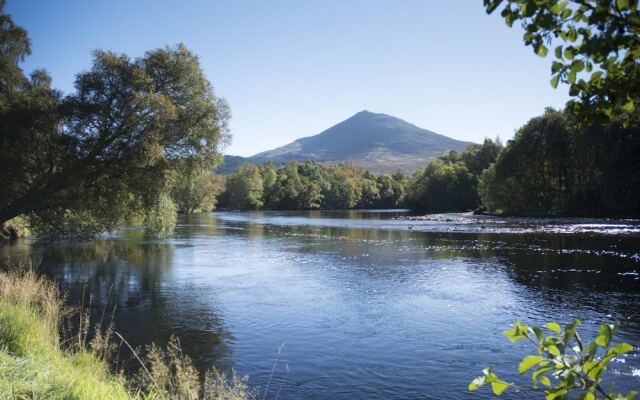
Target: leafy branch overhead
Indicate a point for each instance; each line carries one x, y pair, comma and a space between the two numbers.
562, 365
596, 44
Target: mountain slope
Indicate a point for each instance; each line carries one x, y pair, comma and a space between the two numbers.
377, 142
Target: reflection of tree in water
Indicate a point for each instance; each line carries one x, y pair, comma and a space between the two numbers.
12, 251
589, 272
131, 275
570, 272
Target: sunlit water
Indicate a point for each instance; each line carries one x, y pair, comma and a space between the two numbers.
360, 304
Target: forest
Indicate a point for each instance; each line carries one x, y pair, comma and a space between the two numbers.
553, 166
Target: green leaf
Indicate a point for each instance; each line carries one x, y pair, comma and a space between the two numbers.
595, 371
568, 53
552, 349
628, 106
539, 372
608, 110
596, 76
545, 381
553, 327
589, 396
499, 387
556, 66
489, 375
554, 81
513, 335
528, 362
605, 335
492, 5
577, 66
558, 52
558, 7
620, 349
623, 4
542, 50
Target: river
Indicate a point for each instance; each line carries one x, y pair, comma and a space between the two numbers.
357, 304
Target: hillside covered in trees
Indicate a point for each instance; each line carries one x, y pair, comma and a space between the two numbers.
310, 185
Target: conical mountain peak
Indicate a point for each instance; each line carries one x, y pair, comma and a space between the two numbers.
375, 141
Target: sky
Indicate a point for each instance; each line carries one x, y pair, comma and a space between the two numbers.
290, 69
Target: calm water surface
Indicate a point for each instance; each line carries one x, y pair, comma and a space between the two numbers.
357, 305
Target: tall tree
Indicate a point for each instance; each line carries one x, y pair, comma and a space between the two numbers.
555, 166
532, 174
107, 153
445, 184
15, 46
195, 188
244, 189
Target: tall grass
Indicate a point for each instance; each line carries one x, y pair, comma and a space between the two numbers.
37, 362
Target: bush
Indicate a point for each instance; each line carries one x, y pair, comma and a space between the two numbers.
562, 366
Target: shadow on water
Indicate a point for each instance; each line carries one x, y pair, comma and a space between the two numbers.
128, 275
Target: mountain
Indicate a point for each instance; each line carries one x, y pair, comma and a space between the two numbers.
377, 142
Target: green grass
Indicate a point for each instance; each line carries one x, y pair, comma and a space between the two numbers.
34, 365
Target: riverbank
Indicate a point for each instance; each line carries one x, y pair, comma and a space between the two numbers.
36, 362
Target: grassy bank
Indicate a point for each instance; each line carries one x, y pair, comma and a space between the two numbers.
37, 363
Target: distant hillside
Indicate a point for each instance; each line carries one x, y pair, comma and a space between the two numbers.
377, 142
231, 164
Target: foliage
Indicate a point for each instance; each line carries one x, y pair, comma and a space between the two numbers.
36, 362
443, 185
531, 173
195, 188
556, 166
450, 182
562, 366
15, 47
344, 189
32, 364
597, 49
90, 161
310, 185
244, 189
169, 374
478, 157
161, 218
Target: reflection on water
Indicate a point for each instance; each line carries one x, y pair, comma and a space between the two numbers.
366, 306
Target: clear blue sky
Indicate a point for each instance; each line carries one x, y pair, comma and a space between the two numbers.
294, 68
